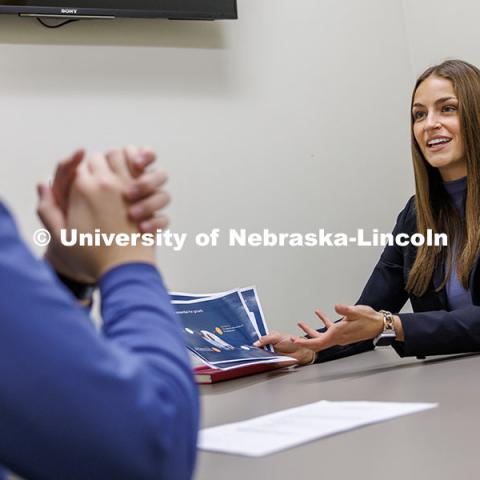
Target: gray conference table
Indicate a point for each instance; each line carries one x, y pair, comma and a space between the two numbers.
442, 443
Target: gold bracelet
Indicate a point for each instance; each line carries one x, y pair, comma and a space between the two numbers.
387, 320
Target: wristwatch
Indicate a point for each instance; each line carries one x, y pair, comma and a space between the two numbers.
388, 336
83, 292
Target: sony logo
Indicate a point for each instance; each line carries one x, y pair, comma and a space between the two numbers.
69, 11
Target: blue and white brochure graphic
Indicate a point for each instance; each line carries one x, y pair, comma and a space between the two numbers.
221, 328
249, 295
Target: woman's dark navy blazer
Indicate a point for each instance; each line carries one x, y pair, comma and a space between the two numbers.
432, 329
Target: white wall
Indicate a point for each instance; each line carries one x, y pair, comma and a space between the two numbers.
440, 30
294, 118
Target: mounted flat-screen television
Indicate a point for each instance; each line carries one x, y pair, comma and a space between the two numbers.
173, 9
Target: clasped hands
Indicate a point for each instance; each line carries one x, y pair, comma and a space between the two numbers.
112, 192
359, 322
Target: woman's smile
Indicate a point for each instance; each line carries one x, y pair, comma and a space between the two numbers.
438, 143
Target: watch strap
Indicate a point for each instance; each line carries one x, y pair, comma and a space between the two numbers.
81, 291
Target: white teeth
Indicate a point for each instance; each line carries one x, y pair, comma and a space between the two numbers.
436, 141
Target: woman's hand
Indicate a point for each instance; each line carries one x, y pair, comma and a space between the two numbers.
283, 344
359, 322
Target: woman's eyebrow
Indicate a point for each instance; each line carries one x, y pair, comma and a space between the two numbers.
440, 100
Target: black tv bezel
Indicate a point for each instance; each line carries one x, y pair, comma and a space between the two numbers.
115, 13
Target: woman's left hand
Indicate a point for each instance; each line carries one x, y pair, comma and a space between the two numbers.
359, 322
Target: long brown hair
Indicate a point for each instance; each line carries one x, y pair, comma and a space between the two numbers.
434, 209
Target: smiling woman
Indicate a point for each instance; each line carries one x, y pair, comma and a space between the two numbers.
442, 282
445, 133
436, 127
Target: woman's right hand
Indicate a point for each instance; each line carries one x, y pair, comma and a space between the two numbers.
283, 343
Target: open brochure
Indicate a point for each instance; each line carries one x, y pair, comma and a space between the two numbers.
220, 330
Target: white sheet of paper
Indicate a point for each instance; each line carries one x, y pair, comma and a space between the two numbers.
281, 430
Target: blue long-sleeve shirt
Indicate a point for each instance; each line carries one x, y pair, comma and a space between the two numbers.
76, 404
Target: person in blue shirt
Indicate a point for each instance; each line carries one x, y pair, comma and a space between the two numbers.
441, 282
74, 402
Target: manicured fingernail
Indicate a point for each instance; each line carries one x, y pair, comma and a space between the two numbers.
256, 344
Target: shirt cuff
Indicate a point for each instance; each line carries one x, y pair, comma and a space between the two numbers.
127, 271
